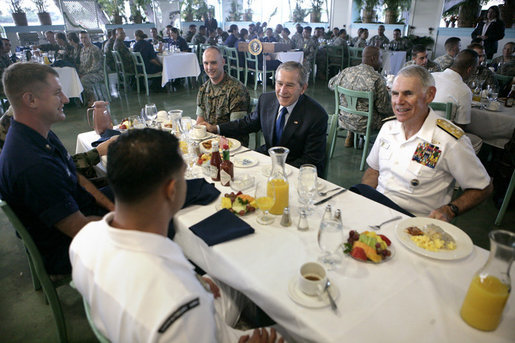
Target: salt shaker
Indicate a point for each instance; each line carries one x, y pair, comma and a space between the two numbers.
286, 218
303, 222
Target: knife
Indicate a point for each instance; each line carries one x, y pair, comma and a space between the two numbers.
330, 197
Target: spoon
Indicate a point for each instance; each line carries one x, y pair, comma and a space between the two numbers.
377, 227
331, 300
325, 193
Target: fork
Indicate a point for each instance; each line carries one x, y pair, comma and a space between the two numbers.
240, 152
377, 227
322, 194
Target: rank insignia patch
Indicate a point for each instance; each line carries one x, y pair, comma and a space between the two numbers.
427, 154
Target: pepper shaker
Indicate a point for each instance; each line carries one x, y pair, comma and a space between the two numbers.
303, 222
286, 218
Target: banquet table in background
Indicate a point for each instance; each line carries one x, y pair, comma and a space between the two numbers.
286, 56
70, 81
410, 298
495, 128
393, 61
178, 65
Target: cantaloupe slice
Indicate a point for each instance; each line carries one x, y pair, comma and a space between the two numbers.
369, 251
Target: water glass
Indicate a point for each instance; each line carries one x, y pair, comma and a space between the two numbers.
307, 187
175, 117
150, 113
330, 238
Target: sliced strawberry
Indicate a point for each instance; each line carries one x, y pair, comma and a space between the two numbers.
386, 240
358, 253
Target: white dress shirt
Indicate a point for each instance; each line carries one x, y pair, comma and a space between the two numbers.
451, 88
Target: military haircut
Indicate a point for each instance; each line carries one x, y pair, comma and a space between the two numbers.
417, 49
465, 59
452, 43
34, 76
140, 161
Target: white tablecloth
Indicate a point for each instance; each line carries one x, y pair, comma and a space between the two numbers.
410, 298
183, 64
295, 56
495, 128
393, 61
70, 81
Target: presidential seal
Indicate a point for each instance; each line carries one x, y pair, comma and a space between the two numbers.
255, 47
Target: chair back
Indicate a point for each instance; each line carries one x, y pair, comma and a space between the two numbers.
232, 59
335, 56
444, 107
332, 126
41, 279
118, 62
138, 62
355, 55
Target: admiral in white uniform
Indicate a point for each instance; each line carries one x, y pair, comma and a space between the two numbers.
416, 157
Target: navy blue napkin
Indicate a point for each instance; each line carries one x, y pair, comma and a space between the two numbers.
63, 63
221, 227
108, 133
200, 192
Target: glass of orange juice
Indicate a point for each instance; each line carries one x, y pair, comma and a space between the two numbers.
265, 200
490, 286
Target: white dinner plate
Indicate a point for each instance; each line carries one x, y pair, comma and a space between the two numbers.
476, 104
464, 244
241, 183
266, 170
244, 162
234, 144
310, 301
206, 136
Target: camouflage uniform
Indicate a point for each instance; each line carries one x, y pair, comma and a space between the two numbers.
223, 102
84, 162
378, 41
363, 78
125, 54
444, 61
431, 66
310, 46
108, 47
297, 41
507, 67
338, 41
289, 42
90, 69
189, 36
482, 77
360, 43
198, 39
66, 53
402, 44
4, 63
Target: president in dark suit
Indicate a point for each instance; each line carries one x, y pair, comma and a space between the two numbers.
287, 118
490, 31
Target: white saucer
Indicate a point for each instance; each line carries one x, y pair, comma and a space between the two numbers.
310, 301
206, 136
244, 162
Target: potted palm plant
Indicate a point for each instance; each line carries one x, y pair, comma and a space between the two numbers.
234, 13
368, 7
247, 15
316, 11
43, 15
392, 9
137, 9
18, 13
114, 9
299, 13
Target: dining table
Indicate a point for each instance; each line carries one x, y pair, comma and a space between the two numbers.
177, 65
70, 81
393, 61
287, 56
494, 127
409, 297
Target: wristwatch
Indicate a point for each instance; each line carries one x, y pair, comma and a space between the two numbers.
454, 209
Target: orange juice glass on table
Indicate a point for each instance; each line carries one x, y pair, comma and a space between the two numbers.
490, 287
264, 201
278, 182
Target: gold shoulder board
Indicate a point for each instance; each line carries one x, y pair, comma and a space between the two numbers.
450, 128
388, 119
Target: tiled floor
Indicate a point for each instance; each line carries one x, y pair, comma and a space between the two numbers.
24, 317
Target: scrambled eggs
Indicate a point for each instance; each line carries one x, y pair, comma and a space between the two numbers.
432, 244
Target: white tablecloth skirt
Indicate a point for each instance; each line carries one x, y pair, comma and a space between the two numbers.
70, 81
393, 61
183, 64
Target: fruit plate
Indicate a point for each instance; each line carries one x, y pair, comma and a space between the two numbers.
247, 210
464, 245
205, 145
392, 253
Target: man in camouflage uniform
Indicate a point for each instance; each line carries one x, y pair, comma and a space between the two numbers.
200, 36
380, 39
297, 39
483, 76
363, 77
191, 32
452, 47
222, 98
399, 43
310, 47
124, 52
506, 60
361, 42
108, 48
419, 57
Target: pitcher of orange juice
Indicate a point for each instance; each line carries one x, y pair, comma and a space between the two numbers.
277, 181
491, 285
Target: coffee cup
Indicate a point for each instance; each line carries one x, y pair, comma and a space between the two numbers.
198, 131
312, 278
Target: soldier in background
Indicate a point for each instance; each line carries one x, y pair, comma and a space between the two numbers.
483, 76
419, 57
505, 64
361, 42
108, 48
191, 32
452, 47
297, 39
222, 98
379, 40
399, 43
310, 46
122, 49
363, 77
200, 36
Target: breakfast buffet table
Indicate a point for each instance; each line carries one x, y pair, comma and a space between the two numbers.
408, 298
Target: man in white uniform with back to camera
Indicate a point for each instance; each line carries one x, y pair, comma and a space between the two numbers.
418, 156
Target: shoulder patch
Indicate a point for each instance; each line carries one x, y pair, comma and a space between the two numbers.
384, 120
178, 314
450, 128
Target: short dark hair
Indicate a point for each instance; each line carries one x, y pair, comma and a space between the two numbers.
244, 32
34, 76
193, 25
418, 48
477, 40
451, 42
286, 30
308, 28
295, 66
233, 28
140, 161
60, 35
201, 27
397, 30
475, 46
465, 59
299, 28
72, 36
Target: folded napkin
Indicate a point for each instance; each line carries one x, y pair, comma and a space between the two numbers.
221, 227
63, 63
108, 133
200, 192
